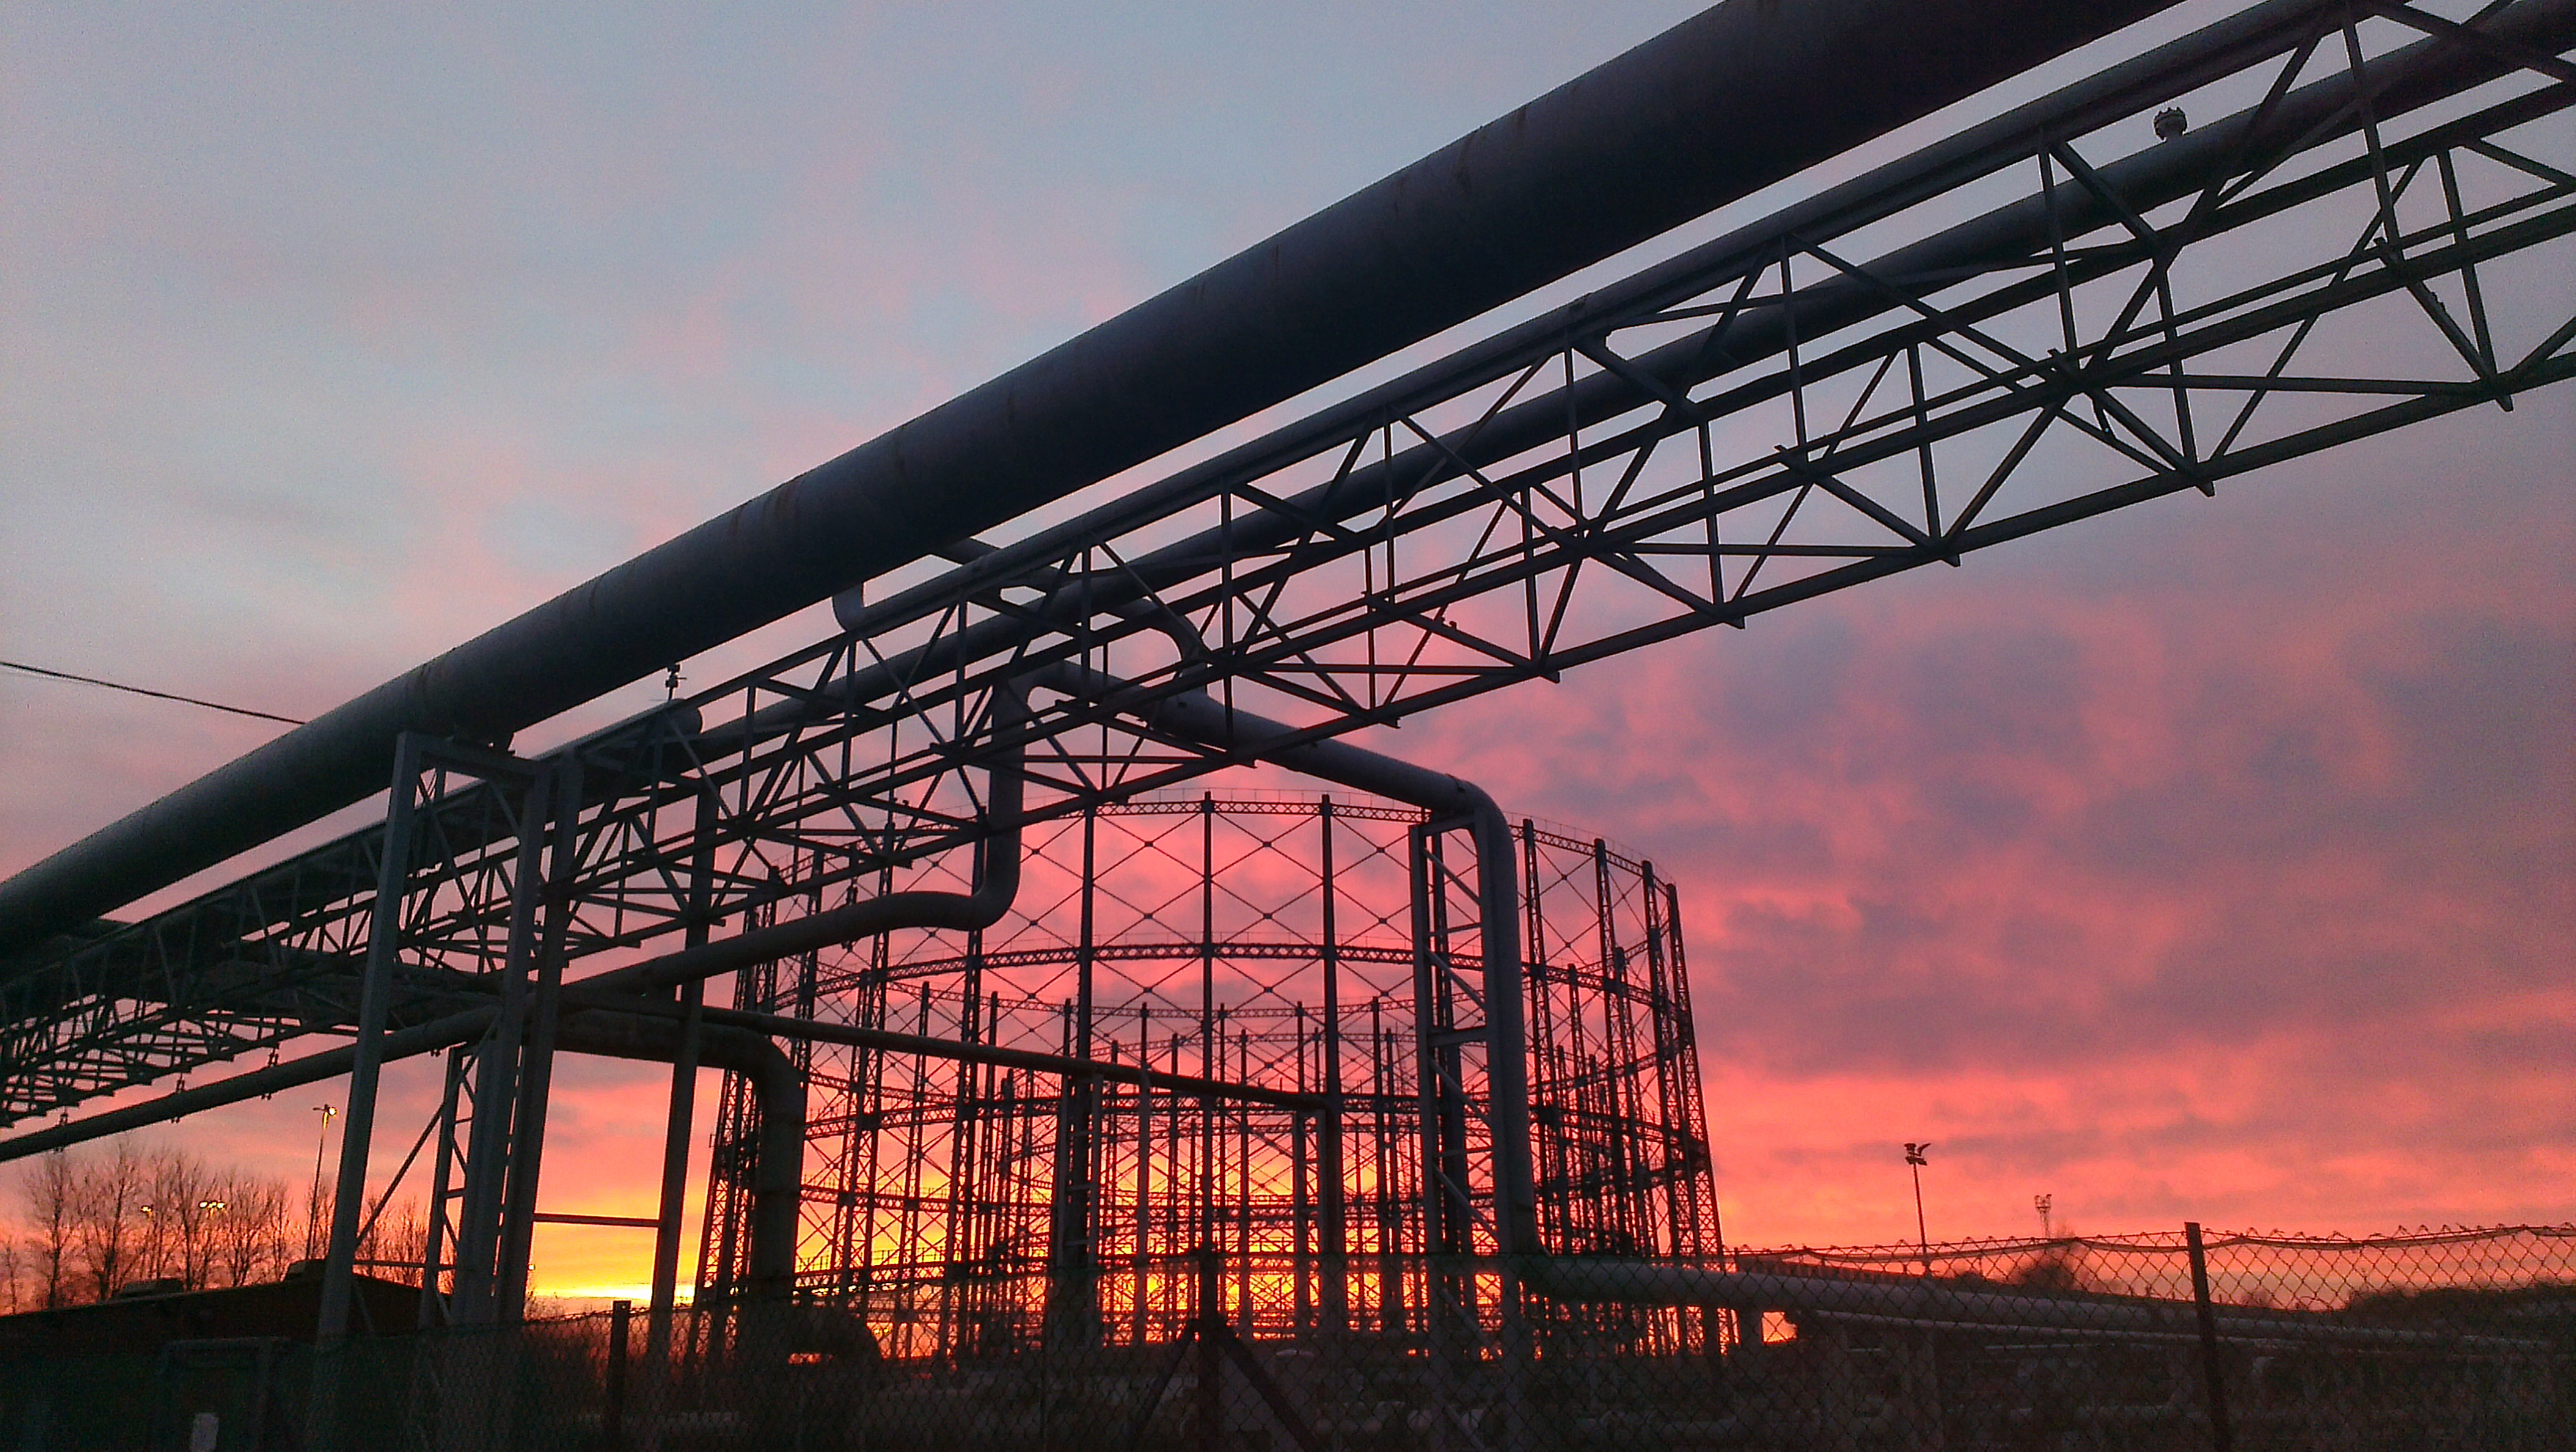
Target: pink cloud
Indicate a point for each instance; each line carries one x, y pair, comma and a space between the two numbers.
2219, 863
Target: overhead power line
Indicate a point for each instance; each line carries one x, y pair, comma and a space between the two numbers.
141, 691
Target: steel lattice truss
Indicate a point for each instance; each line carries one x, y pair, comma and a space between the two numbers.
2051, 316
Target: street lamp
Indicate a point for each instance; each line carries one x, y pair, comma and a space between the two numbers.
2041, 1203
1914, 1163
313, 1209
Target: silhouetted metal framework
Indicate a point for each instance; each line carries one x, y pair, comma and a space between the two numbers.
2075, 307
1716, 107
2047, 317
1270, 941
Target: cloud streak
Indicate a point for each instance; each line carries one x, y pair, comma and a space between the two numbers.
2240, 888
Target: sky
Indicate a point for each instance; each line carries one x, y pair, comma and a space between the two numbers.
2216, 860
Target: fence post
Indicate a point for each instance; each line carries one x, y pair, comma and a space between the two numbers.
2219, 1436
612, 1419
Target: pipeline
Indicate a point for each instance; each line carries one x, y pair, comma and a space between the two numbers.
1919, 1300
997, 884
1199, 718
619, 1031
403, 1043
1062, 1066
777, 1087
1738, 97
608, 1033
2430, 71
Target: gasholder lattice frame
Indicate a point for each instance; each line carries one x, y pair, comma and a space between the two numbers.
1263, 940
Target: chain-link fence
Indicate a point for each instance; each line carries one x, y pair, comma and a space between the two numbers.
2452, 1339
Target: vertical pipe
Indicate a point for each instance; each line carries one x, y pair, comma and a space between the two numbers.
1202, 718
1545, 1088
1086, 946
1209, 1062
1507, 1033
1440, 1218
1426, 1032
2221, 1437
384, 936
1442, 1071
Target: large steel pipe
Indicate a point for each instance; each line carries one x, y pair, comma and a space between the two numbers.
1926, 1301
1717, 107
778, 1089
2432, 70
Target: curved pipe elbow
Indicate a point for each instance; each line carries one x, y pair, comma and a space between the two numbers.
997, 886
777, 1087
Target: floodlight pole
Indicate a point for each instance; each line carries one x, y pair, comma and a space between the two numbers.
313, 1207
1914, 1162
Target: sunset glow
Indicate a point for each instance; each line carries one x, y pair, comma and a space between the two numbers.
2214, 860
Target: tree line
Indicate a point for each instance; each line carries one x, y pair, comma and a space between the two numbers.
90, 1226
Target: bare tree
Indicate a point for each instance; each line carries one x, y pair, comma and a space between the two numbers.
107, 1197
96, 1226
52, 1190
249, 1232
394, 1244
183, 1201
147, 1251
320, 1204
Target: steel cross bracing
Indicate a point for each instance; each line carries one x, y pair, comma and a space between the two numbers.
276, 956
2047, 317
1259, 940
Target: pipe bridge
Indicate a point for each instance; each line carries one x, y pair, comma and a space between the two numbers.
2052, 315
2095, 300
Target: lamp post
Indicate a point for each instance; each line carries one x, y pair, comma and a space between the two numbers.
1914, 1163
2041, 1203
313, 1208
